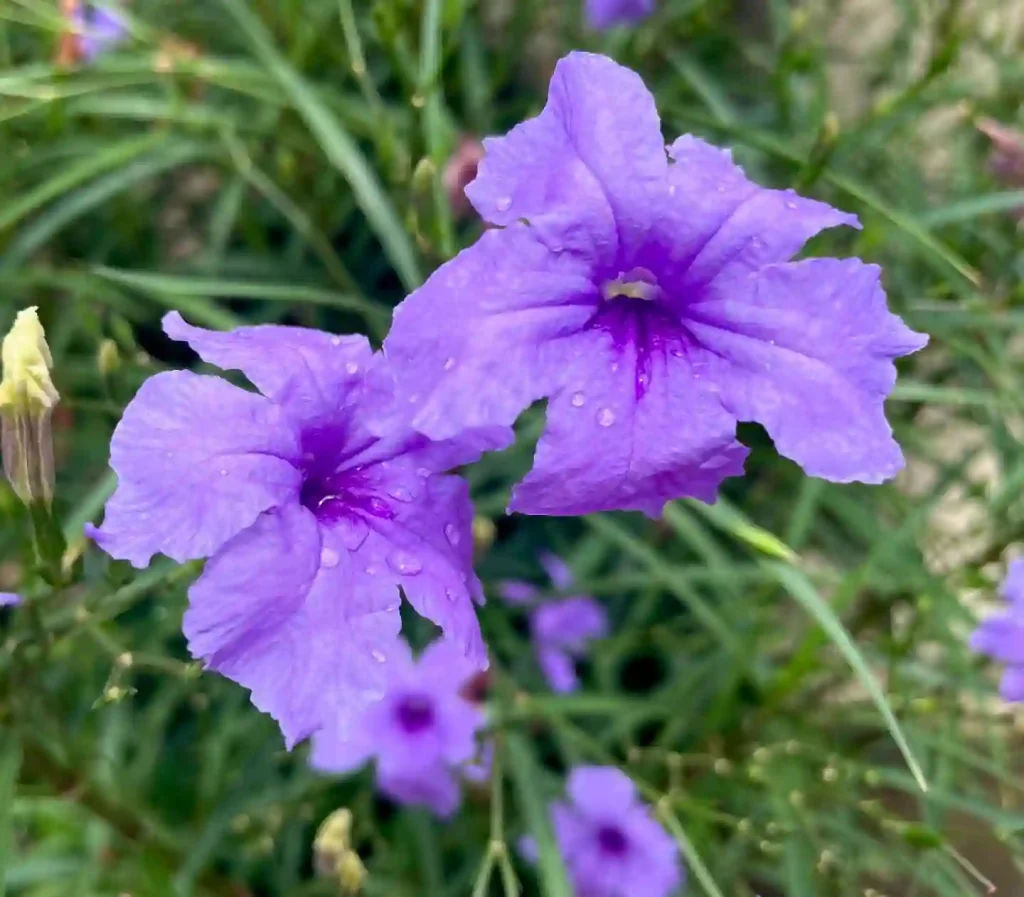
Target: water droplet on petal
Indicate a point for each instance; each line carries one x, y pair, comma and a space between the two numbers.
371, 570
606, 417
423, 472
504, 203
791, 205
451, 532
672, 190
450, 595
380, 508
615, 366
578, 400
414, 398
335, 340
404, 563
351, 367
400, 493
449, 364
391, 608
720, 188
329, 557
378, 655
223, 472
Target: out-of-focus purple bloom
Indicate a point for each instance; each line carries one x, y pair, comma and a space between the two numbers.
1002, 636
602, 14
420, 733
649, 297
99, 29
561, 630
310, 522
611, 844
9, 599
1006, 160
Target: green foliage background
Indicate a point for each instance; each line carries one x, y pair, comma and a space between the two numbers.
280, 160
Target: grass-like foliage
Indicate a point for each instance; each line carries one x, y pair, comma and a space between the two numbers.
787, 677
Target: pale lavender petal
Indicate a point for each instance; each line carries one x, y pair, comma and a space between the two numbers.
1001, 637
506, 302
593, 160
558, 668
300, 633
1012, 588
557, 570
100, 28
197, 461
9, 599
569, 623
309, 372
600, 790
806, 349
515, 591
602, 14
617, 436
1011, 687
435, 789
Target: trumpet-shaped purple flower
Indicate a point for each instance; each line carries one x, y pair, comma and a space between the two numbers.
561, 630
1002, 636
649, 297
611, 844
602, 14
99, 29
9, 599
310, 522
420, 732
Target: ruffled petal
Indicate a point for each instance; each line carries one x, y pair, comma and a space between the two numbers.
1001, 637
601, 791
806, 349
287, 615
718, 225
425, 547
435, 788
591, 161
309, 372
492, 316
197, 460
633, 427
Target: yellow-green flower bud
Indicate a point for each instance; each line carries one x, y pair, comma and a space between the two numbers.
351, 873
27, 400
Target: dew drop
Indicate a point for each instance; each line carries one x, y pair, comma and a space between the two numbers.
423, 472
391, 608
329, 557
720, 188
223, 472
451, 532
449, 364
380, 508
578, 400
791, 205
351, 367
672, 190
371, 570
400, 493
414, 398
335, 340
615, 366
450, 595
404, 563
606, 417
378, 655
504, 203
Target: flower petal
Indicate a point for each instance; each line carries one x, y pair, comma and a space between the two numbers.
630, 430
197, 461
558, 668
602, 14
601, 791
426, 548
289, 617
806, 350
570, 623
1012, 588
9, 599
308, 371
1011, 686
594, 156
503, 303
1001, 637
434, 788
718, 224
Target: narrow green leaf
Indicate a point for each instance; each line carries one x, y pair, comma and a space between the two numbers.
337, 145
694, 862
10, 766
523, 765
801, 589
731, 520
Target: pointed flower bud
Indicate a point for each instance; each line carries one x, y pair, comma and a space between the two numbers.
27, 400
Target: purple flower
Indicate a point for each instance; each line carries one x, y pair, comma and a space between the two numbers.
1002, 637
649, 298
9, 599
310, 522
611, 844
100, 28
602, 14
561, 630
420, 732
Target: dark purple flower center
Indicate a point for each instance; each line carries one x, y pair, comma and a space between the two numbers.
612, 841
345, 494
415, 713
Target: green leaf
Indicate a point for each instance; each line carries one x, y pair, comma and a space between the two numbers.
337, 145
10, 766
523, 765
802, 590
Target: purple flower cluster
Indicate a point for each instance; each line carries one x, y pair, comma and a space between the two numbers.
420, 733
561, 630
611, 844
603, 14
1002, 637
647, 294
